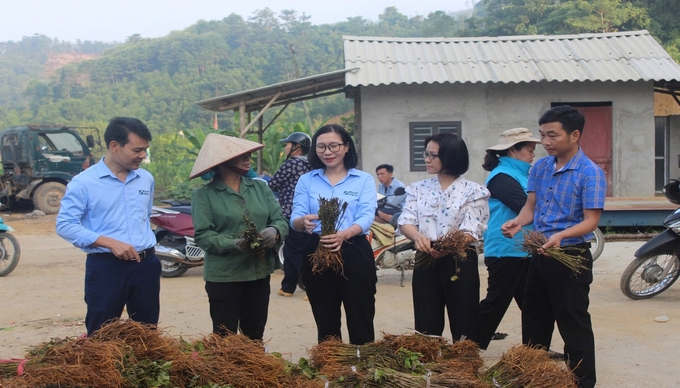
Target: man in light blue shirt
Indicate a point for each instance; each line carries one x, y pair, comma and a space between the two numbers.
388, 184
105, 212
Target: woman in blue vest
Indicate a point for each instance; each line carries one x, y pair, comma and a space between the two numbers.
509, 162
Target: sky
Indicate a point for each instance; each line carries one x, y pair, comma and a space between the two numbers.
110, 20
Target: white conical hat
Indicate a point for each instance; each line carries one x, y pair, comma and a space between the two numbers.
217, 149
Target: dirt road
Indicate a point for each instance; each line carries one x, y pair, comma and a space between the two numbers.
43, 298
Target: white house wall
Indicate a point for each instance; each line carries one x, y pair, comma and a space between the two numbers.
485, 110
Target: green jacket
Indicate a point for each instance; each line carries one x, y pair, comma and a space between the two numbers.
217, 213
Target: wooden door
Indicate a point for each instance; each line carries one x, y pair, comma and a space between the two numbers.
596, 139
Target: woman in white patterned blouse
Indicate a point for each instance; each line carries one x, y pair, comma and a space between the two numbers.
435, 206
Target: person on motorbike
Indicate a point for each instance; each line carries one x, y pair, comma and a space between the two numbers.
236, 274
388, 184
509, 162
284, 182
565, 201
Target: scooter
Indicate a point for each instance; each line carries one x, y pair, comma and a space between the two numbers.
175, 246
400, 252
10, 251
656, 265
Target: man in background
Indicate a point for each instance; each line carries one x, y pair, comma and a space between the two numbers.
388, 184
284, 182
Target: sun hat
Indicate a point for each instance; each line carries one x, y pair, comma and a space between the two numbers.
513, 136
217, 149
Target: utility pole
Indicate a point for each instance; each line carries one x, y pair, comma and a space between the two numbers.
297, 74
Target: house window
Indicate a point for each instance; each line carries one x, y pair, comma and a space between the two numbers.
417, 134
661, 140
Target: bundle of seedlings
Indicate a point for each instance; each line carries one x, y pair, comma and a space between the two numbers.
412, 357
460, 360
146, 341
237, 361
533, 241
524, 366
453, 242
331, 214
250, 239
430, 347
385, 377
74, 363
335, 352
338, 361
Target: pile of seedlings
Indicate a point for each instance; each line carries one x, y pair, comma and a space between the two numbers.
126, 354
130, 354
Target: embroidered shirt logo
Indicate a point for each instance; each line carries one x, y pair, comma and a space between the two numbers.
351, 193
143, 192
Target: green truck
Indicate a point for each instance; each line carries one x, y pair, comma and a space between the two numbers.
38, 161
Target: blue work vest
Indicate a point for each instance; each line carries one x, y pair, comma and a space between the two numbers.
495, 244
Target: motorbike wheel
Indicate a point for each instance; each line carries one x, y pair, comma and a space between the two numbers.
280, 253
10, 251
644, 277
597, 244
169, 269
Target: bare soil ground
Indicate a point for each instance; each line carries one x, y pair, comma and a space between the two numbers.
43, 298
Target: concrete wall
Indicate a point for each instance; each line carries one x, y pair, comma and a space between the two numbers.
486, 110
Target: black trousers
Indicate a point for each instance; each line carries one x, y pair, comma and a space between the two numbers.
507, 280
355, 291
554, 294
112, 284
434, 291
235, 305
292, 262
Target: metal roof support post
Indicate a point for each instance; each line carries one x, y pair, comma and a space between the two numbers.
260, 131
355, 94
241, 116
244, 130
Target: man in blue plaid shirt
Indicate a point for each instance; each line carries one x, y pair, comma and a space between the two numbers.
565, 200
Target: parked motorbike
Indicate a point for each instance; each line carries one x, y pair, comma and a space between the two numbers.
400, 252
656, 265
175, 246
10, 251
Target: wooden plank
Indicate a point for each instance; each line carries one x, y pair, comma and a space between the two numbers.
638, 203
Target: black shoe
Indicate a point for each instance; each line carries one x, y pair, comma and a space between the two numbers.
498, 336
556, 355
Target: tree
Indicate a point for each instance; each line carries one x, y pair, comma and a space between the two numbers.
601, 15
440, 24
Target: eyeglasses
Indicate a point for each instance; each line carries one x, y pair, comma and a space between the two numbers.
334, 147
429, 155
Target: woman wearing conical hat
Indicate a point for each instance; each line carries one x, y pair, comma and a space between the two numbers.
236, 277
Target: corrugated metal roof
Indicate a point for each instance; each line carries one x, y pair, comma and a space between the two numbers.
300, 88
624, 56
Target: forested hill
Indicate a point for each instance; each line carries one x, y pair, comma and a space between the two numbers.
160, 80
